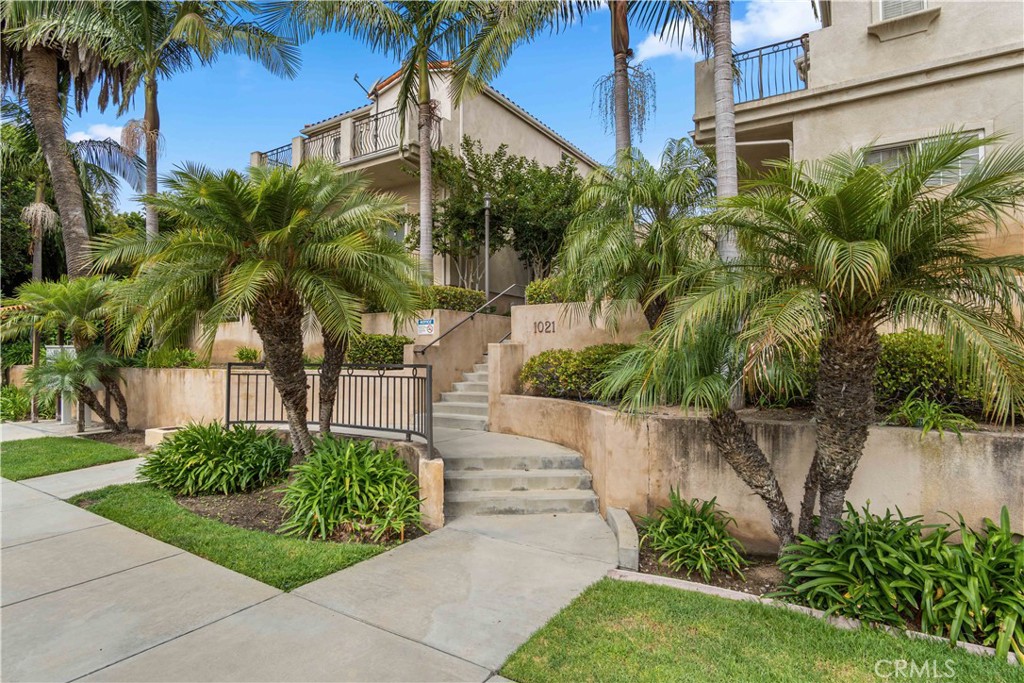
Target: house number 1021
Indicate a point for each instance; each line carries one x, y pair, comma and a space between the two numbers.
544, 327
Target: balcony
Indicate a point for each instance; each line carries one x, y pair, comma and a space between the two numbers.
279, 156
375, 133
771, 70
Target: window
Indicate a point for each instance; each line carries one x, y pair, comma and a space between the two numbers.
897, 8
889, 156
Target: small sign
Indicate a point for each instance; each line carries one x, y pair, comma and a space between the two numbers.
425, 326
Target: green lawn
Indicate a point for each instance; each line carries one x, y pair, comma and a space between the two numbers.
618, 631
52, 454
279, 561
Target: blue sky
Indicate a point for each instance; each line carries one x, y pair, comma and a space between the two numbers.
218, 115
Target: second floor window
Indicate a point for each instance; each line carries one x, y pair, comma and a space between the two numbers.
897, 8
889, 156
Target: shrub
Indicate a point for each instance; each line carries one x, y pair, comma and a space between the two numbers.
16, 352
929, 415
15, 404
896, 570
914, 361
377, 349
312, 361
351, 487
247, 354
693, 536
564, 373
454, 298
203, 459
548, 290
169, 358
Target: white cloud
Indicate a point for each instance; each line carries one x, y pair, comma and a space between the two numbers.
97, 131
765, 22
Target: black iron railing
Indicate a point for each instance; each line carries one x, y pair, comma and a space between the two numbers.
771, 70
279, 156
323, 145
395, 399
375, 133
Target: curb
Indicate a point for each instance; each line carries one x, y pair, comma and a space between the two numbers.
626, 537
844, 623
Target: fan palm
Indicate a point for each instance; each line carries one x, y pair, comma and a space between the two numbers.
833, 249
164, 38
77, 373
50, 46
271, 245
82, 309
635, 230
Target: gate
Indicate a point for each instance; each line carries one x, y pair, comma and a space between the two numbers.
387, 398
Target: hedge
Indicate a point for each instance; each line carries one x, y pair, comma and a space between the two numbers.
548, 290
454, 298
377, 349
564, 373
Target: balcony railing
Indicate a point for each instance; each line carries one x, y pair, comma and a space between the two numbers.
771, 70
279, 156
375, 133
325, 145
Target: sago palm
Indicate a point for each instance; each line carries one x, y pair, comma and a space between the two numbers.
635, 230
68, 373
832, 250
160, 39
271, 245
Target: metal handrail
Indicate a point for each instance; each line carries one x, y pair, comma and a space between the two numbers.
771, 70
471, 316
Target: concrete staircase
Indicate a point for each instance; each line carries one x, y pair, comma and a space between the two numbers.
466, 406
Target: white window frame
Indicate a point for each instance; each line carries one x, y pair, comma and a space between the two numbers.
936, 181
881, 10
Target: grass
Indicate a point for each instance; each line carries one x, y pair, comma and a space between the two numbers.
51, 454
618, 631
279, 561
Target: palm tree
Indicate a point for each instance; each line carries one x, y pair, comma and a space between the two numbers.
164, 38
82, 309
47, 44
635, 230
68, 373
831, 250
272, 245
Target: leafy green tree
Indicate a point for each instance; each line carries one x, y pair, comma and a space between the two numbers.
831, 251
160, 39
276, 245
637, 231
541, 212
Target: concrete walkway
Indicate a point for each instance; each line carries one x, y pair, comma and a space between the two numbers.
85, 598
18, 431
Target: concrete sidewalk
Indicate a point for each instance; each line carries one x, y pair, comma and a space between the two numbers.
85, 598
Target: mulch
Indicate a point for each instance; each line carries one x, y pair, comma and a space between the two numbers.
134, 440
761, 575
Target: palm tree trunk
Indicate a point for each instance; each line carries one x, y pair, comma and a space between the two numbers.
40, 66
88, 397
620, 83
844, 408
806, 525
725, 119
737, 446
424, 126
278, 321
654, 310
330, 371
152, 118
37, 276
114, 391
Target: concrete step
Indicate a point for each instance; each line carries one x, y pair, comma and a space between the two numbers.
555, 460
474, 422
475, 387
480, 367
475, 377
464, 396
460, 408
458, 503
516, 480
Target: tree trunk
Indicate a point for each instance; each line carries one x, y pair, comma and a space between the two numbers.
844, 407
737, 446
330, 371
806, 525
37, 276
278, 321
725, 120
424, 127
152, 125
654, 310
88, 397
620, 82
40, 66
114, 391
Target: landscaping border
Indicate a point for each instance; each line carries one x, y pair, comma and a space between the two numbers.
844, 623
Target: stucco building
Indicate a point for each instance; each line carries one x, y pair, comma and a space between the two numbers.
371, 138
884, 73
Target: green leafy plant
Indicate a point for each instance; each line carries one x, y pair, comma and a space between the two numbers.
377, 349
564, 373
693, 536
930, 416
202, 459
548, 290
454, 298
311, 361
169, 358
353, 488
15, 404
16, 352
247, 354
913, 361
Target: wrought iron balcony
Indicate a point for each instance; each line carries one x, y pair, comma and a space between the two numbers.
279, 156
325, 145
375, 133
771, 70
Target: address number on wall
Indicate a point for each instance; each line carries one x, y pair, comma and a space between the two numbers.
544, 327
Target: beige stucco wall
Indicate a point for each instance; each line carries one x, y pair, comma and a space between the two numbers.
241, 333
635, 463
542, 327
